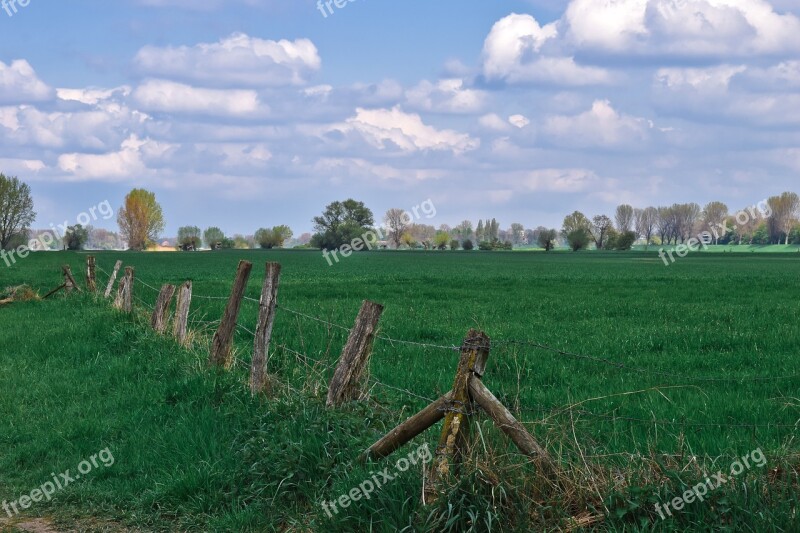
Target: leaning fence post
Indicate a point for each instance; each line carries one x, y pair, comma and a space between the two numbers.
223, 339
161, 309
347, 383
259, 379
69, 280
474, 353
124, 299
179, 328
91, 279
112, 279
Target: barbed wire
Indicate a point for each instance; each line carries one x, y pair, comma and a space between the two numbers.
622, 366
316, 319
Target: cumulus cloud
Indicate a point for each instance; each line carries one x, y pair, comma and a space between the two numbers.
131, 159
172, 97
519, 121
446, 96
514, 52
394, 128
493, 121
601, 126
19, 84
681, 27
238, 60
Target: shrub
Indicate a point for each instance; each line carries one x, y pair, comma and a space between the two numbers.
468, 245
454, 245
578, 239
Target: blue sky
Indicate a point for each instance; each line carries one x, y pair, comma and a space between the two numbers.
253, 113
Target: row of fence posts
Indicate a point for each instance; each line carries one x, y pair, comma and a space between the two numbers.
349, 381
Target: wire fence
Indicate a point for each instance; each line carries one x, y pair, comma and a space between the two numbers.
321, 367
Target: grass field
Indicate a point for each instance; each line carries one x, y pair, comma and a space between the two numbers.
671, 372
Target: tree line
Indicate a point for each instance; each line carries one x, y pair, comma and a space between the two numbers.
775, 220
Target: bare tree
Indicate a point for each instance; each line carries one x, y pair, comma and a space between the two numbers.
714, 216
396, 221
785, 210
646, 223
624, 218
601, 225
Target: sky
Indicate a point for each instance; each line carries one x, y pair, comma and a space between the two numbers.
253, 113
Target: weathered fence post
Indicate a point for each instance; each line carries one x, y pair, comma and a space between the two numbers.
69, 280
347, 383
179, 328
124, 299
223, 339
112, 279
91, 279
259, 378
474, 353
161, 309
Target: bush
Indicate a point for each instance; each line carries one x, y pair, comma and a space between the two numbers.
625, 241
578, 239
454, 245
468, 245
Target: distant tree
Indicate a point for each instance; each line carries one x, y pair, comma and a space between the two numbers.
397, 221
464, 230
480, 232
441, 240
16, 210
624, 218
547, 238
76, 237
575, 221
408, 240
213, 237
714, 214
341, 223
467, 244
189, 238
579, 239
273, 238
646, 223
423, 234
240, 242
454, 244
517, 232
601, 227
140, 219
624, 241
785, 210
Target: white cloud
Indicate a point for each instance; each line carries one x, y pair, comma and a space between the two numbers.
493, 121
514, 52
19, 84
681, 27
172, 97
519, 121
129, 161
238, 60
384, 128
601, 126
446, 96
555, 180
92, 95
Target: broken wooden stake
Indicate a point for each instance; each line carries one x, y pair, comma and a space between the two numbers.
259, 377
91, 280
161, 309
112, 279
180, 325
69, 280
124, 300
222, 342
348, 383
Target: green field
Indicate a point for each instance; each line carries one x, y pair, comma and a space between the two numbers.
639, 378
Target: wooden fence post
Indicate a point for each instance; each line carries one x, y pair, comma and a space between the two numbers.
474, 353
112, 279
179, 328
91, 279
223, 339
347, 383
124, 299
161, 309
259, 378
69, 280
